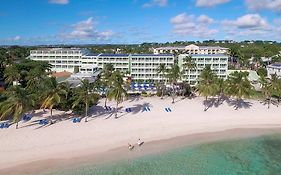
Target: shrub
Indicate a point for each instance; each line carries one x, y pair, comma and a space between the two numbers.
262, 72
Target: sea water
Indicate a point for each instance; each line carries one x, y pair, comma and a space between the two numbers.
255, 156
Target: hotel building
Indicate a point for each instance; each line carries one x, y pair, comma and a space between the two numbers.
217, 62
139, 66
191, 49
274, 69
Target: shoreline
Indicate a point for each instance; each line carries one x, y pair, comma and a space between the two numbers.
40, 148
120, 154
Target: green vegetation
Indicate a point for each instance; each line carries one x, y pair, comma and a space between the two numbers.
28, 85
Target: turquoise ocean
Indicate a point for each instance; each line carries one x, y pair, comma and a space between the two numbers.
254, 156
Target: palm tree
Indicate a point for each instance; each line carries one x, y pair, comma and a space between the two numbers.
207, 83
188, 65
239, 86
276, 84
174, 74
267, 89
162, 70
105, 80
117, 92
37, 76
17, 103
12, 74
52, 96
84, 94
220, 87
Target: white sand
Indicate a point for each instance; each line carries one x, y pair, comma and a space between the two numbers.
65, 140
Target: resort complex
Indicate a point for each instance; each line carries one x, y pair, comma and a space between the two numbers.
138, 66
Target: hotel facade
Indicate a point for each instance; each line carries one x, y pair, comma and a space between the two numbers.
138, 66
274, 69
217, 62
192, 50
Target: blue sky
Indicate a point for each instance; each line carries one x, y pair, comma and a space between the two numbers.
32, 22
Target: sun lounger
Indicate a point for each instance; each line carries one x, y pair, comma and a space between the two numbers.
147, 109
168, 110
26, 118
108, 108
4, 125
128, 110
76, 120
43, 122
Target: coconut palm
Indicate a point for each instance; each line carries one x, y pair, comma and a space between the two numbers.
239, 86
105, 80
12, 74
37, 76
52, 96
162, 70
173, 75
207, 83
117, 92
17, 103
220, 87
276, 84
267, 89
85, 94
188, 65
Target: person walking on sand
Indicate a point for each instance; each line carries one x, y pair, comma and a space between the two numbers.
131, 147
140, 142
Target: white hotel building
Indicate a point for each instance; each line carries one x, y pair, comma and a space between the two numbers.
217, 62
192, 50
274, 69
140, 66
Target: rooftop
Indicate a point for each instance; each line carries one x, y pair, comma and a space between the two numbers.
151, 55
276, 65
58, 49
209, 55
113, 55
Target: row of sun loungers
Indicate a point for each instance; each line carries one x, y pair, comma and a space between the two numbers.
76, 119
147, 109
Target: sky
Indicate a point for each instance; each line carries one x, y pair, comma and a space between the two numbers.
36, 22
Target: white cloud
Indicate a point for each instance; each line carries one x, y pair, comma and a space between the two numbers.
152, 3
62, 2
205, 19
210, 3
16, 38
190, 25
274, 5
85, 30
247, 26
248, 21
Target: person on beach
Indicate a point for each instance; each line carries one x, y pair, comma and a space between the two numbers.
131, 147
140, 142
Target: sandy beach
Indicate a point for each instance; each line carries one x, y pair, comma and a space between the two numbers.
34, 148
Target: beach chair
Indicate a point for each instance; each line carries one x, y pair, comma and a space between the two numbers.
43, 122
26, 118
146, 109
76, 120
168, 110
128, 110
108, 108
4, 125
